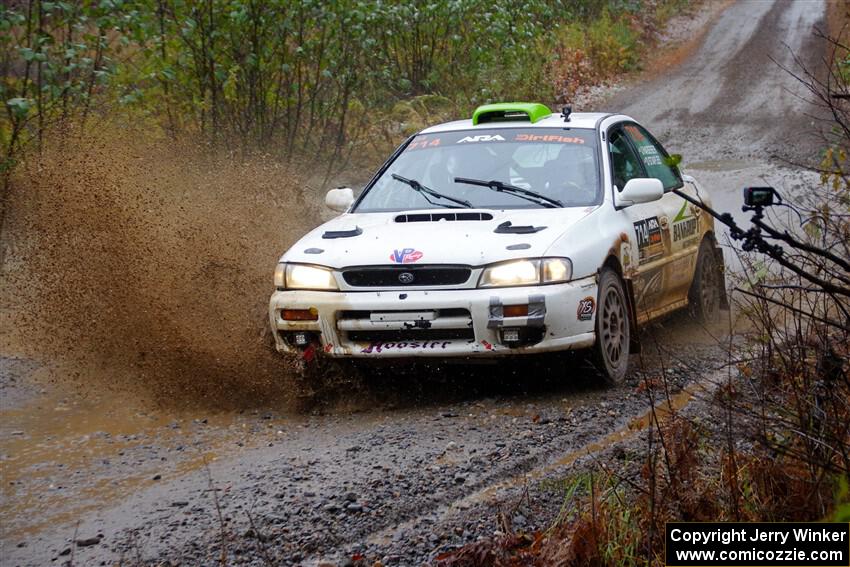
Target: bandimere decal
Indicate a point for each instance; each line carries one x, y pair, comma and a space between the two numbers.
686, 223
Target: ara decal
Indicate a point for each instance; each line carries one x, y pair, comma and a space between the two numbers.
586, 307
405, 256
481, 138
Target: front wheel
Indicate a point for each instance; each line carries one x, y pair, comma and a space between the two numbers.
611, 351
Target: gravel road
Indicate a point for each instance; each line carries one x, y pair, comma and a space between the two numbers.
398, 468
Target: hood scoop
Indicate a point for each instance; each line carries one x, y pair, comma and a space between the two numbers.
508, 228
434, 217
330, 234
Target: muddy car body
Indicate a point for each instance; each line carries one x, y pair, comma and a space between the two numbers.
516, 232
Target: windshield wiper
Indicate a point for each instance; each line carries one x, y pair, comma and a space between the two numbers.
501, 187
425, 191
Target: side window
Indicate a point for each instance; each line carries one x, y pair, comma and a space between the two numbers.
625, 164
653, 157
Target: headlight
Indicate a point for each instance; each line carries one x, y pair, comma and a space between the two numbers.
527, 272
280, 276
302, 276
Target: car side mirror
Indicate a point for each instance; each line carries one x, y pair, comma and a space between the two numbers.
639, 190
339, 199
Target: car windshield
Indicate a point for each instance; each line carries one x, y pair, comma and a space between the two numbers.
558, 164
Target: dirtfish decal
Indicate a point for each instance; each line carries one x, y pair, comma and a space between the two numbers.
405, 256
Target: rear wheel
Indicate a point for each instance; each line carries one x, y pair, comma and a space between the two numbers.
611, 351
706, 288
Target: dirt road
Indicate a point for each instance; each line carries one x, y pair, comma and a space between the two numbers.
402, 466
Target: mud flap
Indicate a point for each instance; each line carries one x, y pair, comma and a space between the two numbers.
634, 341
721, 267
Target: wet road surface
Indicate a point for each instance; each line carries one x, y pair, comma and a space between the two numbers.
400, 467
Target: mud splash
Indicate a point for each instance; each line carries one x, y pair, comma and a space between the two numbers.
145, 266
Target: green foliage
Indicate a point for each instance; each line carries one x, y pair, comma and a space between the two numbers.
842, 501
295, 75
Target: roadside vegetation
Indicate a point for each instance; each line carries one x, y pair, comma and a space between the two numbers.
771, 442
297, 79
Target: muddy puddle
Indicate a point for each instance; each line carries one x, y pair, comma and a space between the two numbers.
63, 453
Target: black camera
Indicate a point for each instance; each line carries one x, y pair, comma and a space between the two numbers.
759, 196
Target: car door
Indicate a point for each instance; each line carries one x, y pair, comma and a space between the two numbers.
661, 258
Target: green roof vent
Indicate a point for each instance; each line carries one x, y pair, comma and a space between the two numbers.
503, 111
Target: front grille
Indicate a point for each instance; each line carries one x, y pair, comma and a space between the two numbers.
365, 314
410, 335
401, 276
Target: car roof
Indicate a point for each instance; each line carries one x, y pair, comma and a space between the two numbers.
588, 120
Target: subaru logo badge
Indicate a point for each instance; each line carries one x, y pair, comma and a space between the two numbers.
405, 277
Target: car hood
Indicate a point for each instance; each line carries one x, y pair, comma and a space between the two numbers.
360, 239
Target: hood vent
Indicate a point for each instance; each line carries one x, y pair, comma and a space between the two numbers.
434, 217
330, 234
508, 228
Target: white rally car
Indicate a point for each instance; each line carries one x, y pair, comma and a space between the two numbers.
513, 233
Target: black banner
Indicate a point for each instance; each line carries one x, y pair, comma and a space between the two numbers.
740, 544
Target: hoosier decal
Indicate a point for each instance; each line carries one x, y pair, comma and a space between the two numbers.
376, 347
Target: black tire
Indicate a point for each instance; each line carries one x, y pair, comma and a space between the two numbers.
706, 288
613, 333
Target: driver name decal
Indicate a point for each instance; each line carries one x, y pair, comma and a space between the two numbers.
405, 256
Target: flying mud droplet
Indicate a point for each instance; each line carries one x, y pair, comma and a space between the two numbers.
146, 265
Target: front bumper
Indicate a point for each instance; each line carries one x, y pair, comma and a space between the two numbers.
439, 323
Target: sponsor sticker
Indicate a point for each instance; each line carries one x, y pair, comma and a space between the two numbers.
377, 347
650, 155
586, 308
405, 255
650, 243
420, 143
548, 138
481, 138
686, 223
649, 286
635, 133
